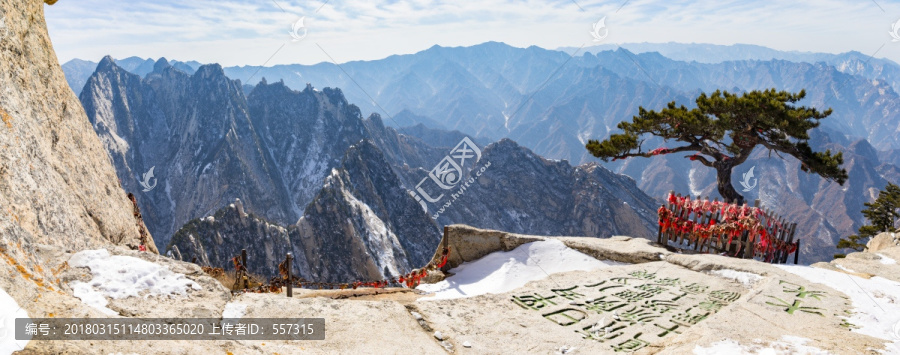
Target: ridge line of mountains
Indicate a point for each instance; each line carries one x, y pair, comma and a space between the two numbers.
278, 147
281, 170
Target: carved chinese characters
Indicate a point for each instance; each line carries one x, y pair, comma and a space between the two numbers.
629, 312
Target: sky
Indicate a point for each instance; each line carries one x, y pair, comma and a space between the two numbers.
258, 32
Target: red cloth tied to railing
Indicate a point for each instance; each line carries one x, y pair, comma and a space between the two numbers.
698, 220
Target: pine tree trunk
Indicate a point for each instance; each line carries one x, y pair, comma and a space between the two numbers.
726, 189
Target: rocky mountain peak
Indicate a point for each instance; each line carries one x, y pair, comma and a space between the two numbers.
212, 72
161, 65
107, 63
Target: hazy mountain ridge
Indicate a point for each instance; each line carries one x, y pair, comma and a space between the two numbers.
852, 62
474, 89
521, 191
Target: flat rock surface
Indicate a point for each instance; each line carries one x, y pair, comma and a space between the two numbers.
680, 304
645, 308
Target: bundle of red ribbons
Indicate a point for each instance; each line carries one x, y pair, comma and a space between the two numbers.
733, 221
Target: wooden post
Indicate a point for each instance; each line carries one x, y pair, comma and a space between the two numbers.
244, 266
658, 229
750, 253
790, 240
797, 253
748, 243
781, 235
704, 221
290, 283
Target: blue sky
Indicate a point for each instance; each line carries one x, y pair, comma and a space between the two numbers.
234, 32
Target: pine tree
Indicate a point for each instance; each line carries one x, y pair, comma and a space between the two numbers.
882, 214
724, 129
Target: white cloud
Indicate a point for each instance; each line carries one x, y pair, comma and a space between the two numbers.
247, 33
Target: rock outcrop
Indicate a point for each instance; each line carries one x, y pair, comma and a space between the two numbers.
648, 301
57, 186
58, 189
786, 307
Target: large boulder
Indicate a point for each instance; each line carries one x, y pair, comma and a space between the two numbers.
883, 241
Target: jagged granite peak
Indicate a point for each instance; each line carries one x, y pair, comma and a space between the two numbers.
362, 225
194, 131
210, 144
213, 240
405, 150
106, 63
373, 182
160, 65
57, 188
363, 222
306, 133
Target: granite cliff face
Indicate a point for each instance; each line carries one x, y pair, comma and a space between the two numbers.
362, 225
364, 222
58, 190
207, 144
56, 185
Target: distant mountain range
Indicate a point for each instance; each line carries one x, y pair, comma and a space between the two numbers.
552, 103
315, 178
498, 91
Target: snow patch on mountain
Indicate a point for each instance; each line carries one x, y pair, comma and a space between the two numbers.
379, 239
789, 344
505, 271
9, 311
118, 276
874, 317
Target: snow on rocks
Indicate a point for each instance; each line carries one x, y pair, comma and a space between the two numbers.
91, 297
501, 271
234, 310
875, 312
786, 346
745, 278
886, 260
119, 276
9, 311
